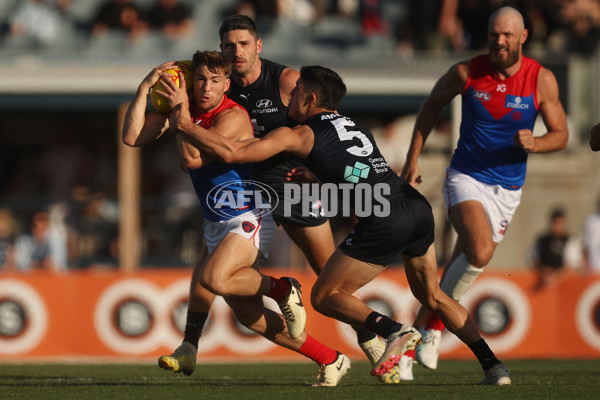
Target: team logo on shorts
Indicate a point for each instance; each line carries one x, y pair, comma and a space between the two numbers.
503, 226
317, 209
248, 226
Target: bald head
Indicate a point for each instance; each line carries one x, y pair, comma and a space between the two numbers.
506, 35
509, 15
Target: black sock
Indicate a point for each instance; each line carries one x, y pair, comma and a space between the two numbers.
363, 335
194, 324
381, 325
484, 354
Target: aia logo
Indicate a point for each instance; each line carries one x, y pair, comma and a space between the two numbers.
264, 103
482, 95
248, 226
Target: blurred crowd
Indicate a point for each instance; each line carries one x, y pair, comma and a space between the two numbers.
58, 197
59, 205
555, 26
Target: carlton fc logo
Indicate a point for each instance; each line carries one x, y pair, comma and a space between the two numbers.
482, 95
264, 103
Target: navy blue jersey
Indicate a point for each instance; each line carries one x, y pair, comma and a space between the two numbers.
263, 102
345, 152
394, 219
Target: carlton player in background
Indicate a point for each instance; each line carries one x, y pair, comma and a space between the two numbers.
502, 93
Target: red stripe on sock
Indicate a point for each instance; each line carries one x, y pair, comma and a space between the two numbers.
317, 351
434, 322
410, 353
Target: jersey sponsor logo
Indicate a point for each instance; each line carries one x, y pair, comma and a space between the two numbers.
516, 102
264, 103
265, 110
501, 87
482, 95
359, 170
248, 226
379, 165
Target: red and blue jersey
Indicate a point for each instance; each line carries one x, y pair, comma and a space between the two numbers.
222, 188
493, 111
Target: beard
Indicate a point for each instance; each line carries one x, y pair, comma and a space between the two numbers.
499, 63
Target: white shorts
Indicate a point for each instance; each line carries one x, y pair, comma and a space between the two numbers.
499, 203
256, 225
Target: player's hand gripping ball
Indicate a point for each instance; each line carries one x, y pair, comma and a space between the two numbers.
158, 101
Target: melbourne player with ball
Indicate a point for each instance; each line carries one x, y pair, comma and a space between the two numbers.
236, 237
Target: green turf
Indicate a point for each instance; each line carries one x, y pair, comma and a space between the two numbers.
541, 379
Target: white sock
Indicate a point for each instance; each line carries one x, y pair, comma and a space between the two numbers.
459, 277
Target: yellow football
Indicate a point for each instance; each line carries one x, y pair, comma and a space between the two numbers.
158, 101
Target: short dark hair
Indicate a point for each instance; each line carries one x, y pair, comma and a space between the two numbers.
213, 60
558, 212
327, 84
238, 22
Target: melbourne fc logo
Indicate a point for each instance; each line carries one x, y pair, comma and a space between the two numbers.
248, 226
264, 103
231, 198
482, 95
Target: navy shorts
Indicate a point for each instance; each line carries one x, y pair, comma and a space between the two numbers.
297, 217
409, 231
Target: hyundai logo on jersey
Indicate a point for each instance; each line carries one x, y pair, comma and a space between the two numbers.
264, 103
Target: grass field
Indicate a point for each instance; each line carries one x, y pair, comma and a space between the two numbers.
540, 379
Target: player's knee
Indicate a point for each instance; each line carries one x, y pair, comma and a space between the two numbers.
429, 300
480, 257
197, 290
317, 298
214, 285
248, 320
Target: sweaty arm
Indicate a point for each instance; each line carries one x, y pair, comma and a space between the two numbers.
199, 145
445, 89
140, 128
554, 118
298, 140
